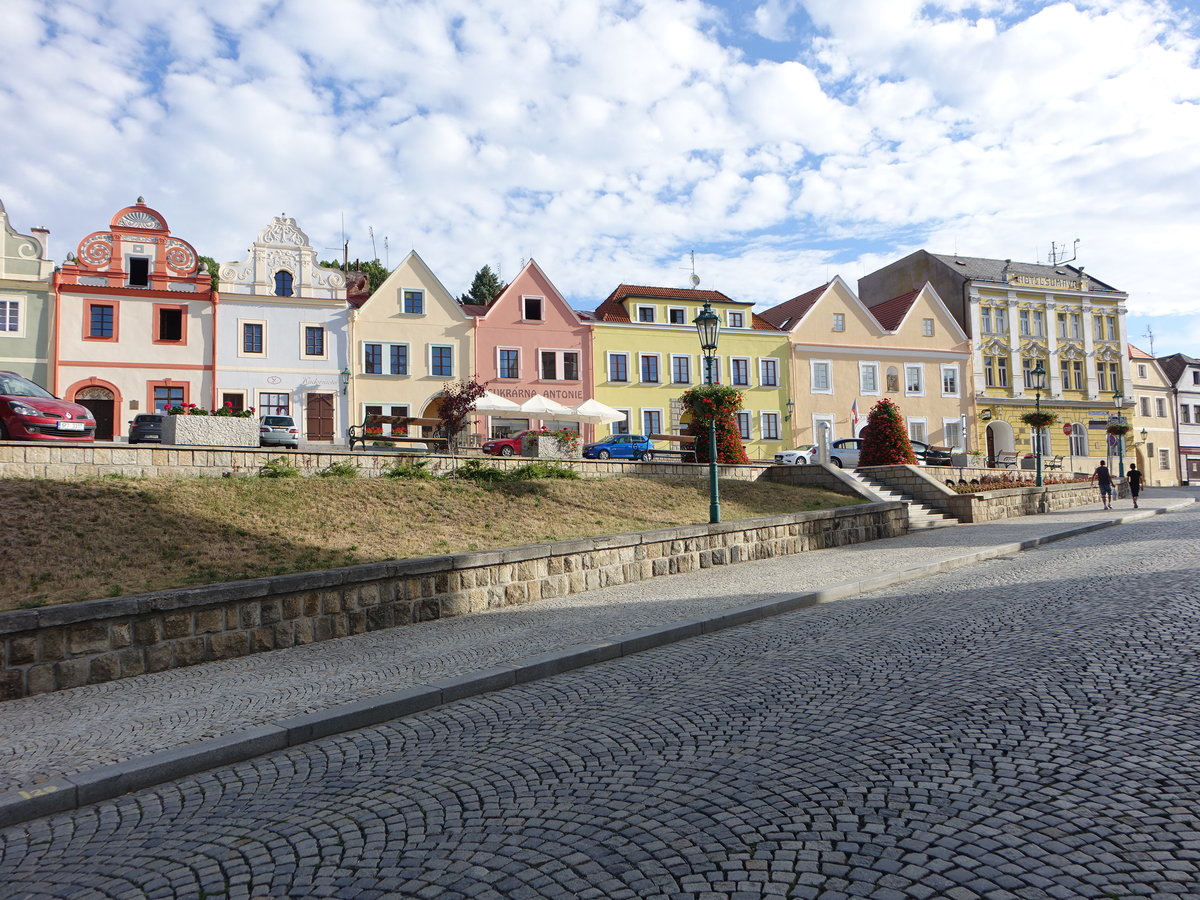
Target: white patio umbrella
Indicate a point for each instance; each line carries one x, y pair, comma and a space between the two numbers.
595, 413
543, 407
494, 403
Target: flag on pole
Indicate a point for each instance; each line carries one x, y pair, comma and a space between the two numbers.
854, 413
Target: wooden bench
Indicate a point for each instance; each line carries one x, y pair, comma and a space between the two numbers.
1005, 461
394, 430
684, 451
1055, 462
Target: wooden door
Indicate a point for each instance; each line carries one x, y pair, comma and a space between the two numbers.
318, 410
103, 411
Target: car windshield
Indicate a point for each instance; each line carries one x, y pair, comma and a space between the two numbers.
277, 420
16, 386
147, 420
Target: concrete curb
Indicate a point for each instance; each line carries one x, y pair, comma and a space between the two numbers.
107, 782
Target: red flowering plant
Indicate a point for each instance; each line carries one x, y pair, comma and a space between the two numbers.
228, 410
885, 441
715, 406
566, 439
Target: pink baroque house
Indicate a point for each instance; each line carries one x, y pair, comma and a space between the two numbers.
134, 322
530, 343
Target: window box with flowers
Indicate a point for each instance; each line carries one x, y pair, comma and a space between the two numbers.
546, 444
1039, 419
190, 425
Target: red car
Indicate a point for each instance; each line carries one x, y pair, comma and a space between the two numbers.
508, 446
28, 412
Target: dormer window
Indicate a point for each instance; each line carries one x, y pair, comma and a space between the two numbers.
737, 320
283, 283
645, 314
139, 271
532, 309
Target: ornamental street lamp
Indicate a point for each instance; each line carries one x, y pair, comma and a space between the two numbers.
1038, 378
708, 326
1118, 399
345, 373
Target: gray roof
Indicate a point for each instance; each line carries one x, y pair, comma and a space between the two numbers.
1176, 364
978, 269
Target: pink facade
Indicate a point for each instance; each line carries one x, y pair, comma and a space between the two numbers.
529, 342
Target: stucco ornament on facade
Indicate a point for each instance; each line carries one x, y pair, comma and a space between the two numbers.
281, 246
140, 219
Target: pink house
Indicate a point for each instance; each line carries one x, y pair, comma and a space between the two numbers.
530, 342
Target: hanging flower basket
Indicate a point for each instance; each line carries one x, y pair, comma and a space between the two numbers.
1039, 419
1119, 430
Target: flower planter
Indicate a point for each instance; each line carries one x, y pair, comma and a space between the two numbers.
210, 431
546, 447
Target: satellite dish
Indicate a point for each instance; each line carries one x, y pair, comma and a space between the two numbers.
695, 280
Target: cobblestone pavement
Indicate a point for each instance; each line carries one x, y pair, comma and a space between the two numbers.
1024, 728
47, 736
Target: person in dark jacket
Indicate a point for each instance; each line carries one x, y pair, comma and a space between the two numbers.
1135, 483
1104, 478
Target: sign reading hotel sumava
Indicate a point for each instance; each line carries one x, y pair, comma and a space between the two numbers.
1066, 284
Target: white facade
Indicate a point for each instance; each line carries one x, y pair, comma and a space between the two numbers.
282, 322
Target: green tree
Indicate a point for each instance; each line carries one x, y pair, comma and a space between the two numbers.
484, 288
207, 262
885, 440
375, 271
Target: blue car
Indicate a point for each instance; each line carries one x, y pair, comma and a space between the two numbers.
620, 446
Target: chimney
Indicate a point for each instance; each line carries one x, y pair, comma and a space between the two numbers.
42, 236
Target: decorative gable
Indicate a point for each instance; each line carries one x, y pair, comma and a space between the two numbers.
282, 263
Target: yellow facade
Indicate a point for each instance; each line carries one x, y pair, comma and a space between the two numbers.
843, 357
647, 354
1152, 416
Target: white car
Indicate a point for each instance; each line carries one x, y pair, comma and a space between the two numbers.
842, 453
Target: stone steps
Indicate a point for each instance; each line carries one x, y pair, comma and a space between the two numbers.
920, 516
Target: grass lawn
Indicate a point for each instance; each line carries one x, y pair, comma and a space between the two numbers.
104, 537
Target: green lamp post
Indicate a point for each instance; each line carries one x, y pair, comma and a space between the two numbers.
1118, 400
1038, 384
708, 326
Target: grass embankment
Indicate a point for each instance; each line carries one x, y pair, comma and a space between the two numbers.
104, 537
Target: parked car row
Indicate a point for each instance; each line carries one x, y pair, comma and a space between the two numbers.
844, 452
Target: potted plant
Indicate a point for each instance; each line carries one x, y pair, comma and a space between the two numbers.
1039, 419
1120, 429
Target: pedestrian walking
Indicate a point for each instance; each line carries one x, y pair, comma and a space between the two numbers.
1104, 478
1135, 483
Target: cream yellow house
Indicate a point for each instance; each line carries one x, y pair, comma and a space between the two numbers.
1153, 419
407, 341
846, 356
647, 354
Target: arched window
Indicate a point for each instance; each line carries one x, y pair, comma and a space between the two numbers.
283, 283
1079, 443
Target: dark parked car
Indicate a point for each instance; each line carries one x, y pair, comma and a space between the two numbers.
30, 412
620, 446
278, 431
931, 456
507, 446
146, 428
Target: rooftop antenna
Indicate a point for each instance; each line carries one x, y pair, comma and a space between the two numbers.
695, 277
1056, 250
345, 247
387, 258
371, 232
1150, 336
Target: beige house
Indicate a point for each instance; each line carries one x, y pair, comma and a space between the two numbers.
846, 356
407, 341
1153, 419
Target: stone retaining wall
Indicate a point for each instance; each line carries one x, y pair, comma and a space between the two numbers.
60, 647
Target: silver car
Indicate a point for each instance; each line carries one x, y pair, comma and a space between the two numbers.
843, 453
278, 431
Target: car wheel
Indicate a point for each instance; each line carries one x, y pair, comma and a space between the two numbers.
603, 454
837, 462
506, 451
648, 456
3, 432
294, 446
133, 440
800, 461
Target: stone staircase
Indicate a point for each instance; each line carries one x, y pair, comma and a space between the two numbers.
919, 515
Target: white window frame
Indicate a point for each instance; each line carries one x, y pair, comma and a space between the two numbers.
744, 420
304, 326
812, 376
1142, 371
677, 309
953, 369
241, 338
862, 387
560, 365
1164, 460
404, 302
920, 392
765, 362
525, 308
927, 327
1144, 403
749, 374
839, 321
429, 348
955, 423
608, 356
17, 303
661, 420
499, 371
658, 366
1160, 407
730, 314
1077, 440
685, 356
627, 422
920, 421
772, 416
637, 318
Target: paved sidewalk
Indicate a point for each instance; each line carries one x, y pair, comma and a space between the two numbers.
62, 750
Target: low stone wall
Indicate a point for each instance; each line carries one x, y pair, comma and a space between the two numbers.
31, 460
210, 431
95, 641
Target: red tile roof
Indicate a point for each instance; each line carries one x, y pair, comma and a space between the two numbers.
472, 309
612, 310
1138, 352
789, 312
890, 313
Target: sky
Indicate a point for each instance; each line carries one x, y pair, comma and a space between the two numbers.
770, 145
